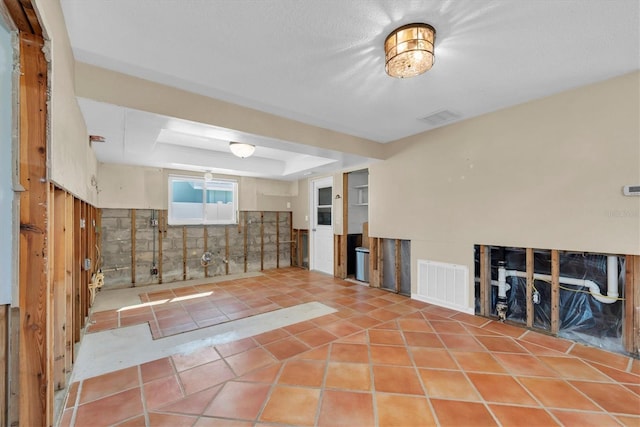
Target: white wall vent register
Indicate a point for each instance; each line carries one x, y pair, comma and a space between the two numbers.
442, 284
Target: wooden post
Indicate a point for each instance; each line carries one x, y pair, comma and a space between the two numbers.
206, 236
4, 362
59, 273
398, 265
133, 246
530, 270
226, 250
485, 280
291, 243
631, 322
261, 241
68, 236
36, 402
184, 252
555, 291
245, 240
77, 269
277, 239
162, 228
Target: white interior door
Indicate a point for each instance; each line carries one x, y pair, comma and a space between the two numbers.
321, 258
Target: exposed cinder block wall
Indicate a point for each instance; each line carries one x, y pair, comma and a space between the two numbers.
176, 251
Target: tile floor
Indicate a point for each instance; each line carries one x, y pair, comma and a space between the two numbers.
380, 360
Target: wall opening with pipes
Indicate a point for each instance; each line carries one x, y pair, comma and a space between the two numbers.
575, 295
140, 248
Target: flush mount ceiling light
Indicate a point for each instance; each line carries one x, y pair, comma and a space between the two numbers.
241, 149
409, 50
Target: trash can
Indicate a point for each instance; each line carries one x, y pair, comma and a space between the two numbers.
362, 264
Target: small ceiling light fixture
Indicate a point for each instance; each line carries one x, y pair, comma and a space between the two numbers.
409, 50
241, 149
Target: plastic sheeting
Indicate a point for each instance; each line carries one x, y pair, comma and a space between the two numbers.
582, 318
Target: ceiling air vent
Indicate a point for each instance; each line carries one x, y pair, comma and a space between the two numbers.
440, 118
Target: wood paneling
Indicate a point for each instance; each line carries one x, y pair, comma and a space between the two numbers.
36, 404
69, 269
58, 259
485, 280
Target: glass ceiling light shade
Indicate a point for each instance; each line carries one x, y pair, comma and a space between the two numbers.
409, 50
241, 149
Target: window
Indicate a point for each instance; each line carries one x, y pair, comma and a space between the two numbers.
198, 201
324, 206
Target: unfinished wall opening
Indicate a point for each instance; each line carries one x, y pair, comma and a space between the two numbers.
141, 248
575, 295
390, 265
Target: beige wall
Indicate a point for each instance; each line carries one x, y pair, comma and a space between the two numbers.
545, 174
137, 187
72, 162
301, 203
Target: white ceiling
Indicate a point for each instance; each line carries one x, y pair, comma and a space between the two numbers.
321, 62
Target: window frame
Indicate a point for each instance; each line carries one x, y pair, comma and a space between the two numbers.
203, 218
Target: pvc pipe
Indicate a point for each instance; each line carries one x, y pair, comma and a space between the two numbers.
594, 289
612, 276
502, 281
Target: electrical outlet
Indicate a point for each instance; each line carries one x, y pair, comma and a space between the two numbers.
153, 222
154, 271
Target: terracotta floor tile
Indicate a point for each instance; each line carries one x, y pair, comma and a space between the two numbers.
362, 307
432, 358
414, 325
385, 337
470, 319
235, 347
635, 367
423, 339
249, 360
402, 309
72, 395
296, 328
570, 367
391, 325
320, 353
271, 336
67, 414
389, 355
135, 320
193, 404
315, 337
111, 409
286, 348
501, 389
364, 321
607, 358
539, 350
552, 343
620, 376
198, 357
448, 327
572, 418
396, 379
384, 314
302, 373
504, 329
612, 397
635, 388
238, 400
103, 325
104, 385
263, 375
282, 399
480, 331
138, 421
628, 421
205, 376
156, 369
516, 416
461, 342
447, 385
501, 344
357, 338
350, 376
342, 328
171, 420
342, 352
379, 302
455, 413
478, 362
325, 320
221, 422
403, 411
162, 391
554, 393
521, 364
341, 408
